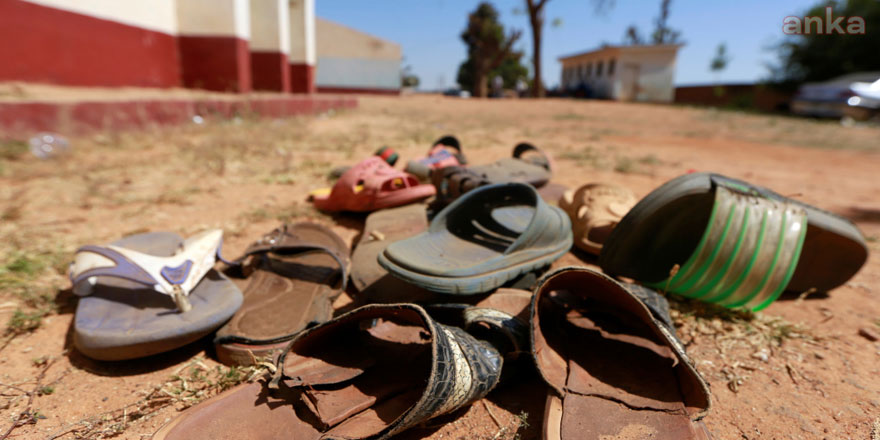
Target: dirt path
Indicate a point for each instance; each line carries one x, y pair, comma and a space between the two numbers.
799, 370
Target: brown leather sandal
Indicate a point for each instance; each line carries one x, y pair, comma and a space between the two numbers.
594, 210
367, 374
616, 370
383, 227
289, 279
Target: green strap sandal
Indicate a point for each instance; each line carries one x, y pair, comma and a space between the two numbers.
728, 242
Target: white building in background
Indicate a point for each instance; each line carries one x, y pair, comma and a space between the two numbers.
625, 73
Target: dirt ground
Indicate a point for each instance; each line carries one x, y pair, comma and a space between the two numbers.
798, 370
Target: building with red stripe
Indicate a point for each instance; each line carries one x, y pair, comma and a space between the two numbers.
221, 45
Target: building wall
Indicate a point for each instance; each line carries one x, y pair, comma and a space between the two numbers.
270, 44
213, 40
656, 75
584, 71
638, 74
226, 45
155, 15
745, 96
349, 60
302, 46
89, 42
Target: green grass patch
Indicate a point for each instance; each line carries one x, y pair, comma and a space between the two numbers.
569, 116
23, 322
13, 150
585, 156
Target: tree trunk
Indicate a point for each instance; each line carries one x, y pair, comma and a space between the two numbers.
480, 86
537, 21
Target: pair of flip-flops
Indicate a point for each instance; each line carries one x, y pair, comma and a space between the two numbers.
606, 350
716, 239
151, 293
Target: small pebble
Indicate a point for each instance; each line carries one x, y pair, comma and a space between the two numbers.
869, 334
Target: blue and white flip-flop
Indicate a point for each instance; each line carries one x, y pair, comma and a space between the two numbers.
149, 293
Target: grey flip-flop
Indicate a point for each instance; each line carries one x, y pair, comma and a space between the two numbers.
489, 236
122, 319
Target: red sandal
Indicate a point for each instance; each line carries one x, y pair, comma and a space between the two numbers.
370, 185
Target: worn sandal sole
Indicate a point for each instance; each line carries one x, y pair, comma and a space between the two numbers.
726, 241
474, 284
122, 320
292, 287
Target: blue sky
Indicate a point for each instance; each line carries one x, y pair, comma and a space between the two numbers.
428, 31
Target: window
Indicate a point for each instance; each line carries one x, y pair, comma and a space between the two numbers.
589, 69
599, 68
611, 64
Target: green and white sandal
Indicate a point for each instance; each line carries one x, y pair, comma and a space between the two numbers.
725, 241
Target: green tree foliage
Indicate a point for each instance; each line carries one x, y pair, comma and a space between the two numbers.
511, 70
817, 57
490, 52
720, 60
632, 37
408, 78
662, 34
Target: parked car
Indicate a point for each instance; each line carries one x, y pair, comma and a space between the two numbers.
865, 103
828, 99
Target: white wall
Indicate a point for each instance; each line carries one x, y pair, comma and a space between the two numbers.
656, 70
302, 32
155, 15
270, 26
601, 86
340, 41
656, 75
213, 17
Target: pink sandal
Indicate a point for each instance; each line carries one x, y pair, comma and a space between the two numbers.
370, 185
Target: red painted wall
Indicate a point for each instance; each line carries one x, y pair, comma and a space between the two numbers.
270, 72
758, 96
302, 78
41, 44
215, 63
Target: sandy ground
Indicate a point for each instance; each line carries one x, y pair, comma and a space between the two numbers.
798, 370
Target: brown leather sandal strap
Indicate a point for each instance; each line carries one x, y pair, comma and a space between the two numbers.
285, 241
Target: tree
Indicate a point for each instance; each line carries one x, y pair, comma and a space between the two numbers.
632, 37
663, 34
535, 8
408, 78
717, 64
818, 57
488, 48
720, 60
511, 70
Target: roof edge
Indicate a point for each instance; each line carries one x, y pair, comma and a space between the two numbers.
622, 48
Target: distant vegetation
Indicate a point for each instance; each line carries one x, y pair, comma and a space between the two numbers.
818, 57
